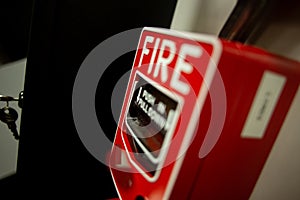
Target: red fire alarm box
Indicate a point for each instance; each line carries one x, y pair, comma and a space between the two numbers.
199, 118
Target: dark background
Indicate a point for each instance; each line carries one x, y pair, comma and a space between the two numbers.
56, 36
15, 17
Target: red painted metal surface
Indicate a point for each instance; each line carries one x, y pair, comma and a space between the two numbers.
188, 99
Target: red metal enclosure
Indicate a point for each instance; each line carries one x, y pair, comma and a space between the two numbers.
199, 118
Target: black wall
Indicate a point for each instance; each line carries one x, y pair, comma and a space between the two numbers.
14, 29
52, 159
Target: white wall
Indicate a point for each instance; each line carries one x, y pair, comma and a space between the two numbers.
202, 16
11, 83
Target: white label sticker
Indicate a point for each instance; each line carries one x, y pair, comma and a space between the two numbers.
262, 108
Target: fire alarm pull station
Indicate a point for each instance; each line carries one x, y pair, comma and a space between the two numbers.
199, 117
